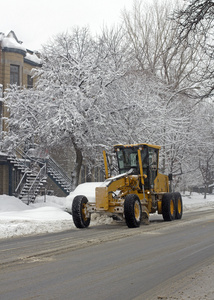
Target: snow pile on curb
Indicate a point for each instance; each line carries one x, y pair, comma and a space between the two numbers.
195, 201
19, 219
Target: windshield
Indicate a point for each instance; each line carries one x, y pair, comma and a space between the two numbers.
127, 159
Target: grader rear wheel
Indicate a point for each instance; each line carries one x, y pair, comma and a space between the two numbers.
79, 212
132, 211
168, 207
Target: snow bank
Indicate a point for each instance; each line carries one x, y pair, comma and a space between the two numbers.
10, 204
19, 219
195, 201
49, 214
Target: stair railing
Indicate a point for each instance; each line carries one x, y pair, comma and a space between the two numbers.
37, 181
21, 183
53, 165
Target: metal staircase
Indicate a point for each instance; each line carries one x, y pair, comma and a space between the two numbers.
20, 164
32, 179
58, 175
34, 172
33, 184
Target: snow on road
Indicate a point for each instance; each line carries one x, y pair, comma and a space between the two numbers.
49, 215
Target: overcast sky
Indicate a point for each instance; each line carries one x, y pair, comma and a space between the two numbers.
35, 21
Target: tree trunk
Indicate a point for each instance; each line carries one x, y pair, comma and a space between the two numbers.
205, 191
78, 164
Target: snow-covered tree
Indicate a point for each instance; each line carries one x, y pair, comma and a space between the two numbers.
203, 142
195, 23
152, 36
24, 110
66, 106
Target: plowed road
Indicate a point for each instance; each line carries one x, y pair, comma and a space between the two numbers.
107, 261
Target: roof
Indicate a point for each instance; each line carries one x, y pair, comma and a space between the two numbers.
137, 146
10, 41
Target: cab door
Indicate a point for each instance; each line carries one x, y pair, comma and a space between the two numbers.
153, 166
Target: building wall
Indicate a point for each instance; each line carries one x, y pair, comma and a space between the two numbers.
4, 179
10, 58
1, 79
26, 71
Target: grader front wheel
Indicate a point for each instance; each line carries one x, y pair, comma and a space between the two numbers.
132, 211
79, 212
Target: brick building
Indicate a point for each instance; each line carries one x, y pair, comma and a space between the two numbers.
16, 63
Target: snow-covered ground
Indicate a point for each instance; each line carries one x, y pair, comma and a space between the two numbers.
49, 215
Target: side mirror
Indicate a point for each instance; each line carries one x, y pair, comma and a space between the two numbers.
106, 165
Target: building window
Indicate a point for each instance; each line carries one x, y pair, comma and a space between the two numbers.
29, 82
14, 74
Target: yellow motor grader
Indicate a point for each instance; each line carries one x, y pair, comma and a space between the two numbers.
138, 190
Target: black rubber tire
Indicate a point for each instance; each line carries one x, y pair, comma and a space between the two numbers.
79, 217
132, 211
168, 207
178, 206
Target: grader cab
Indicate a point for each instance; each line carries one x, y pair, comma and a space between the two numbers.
138, 190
